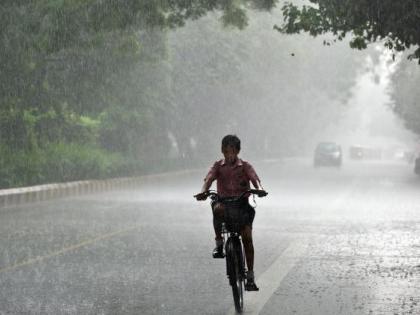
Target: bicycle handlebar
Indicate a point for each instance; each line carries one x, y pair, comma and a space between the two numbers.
211, 193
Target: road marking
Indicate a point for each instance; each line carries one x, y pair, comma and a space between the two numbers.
270, 280
64, 250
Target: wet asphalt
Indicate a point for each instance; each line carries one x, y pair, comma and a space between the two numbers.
148, 250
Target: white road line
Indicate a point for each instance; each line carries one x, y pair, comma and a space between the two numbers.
270, 280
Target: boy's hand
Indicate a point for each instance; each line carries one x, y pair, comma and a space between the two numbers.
201, 196
262, 193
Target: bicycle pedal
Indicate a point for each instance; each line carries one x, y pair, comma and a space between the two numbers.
218, 255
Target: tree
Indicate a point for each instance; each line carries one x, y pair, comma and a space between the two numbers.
247, 82
395, 22
67, 56
406, 95
69, 69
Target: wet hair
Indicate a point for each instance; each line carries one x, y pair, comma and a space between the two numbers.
231, 140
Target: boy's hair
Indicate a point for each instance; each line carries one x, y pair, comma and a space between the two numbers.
231, 140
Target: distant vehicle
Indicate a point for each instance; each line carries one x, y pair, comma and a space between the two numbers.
328, 154
358, 152
417, 165
409, 156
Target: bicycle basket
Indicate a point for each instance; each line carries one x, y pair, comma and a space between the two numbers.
234, 216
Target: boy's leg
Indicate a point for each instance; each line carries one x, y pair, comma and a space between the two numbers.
218, 211
246, 234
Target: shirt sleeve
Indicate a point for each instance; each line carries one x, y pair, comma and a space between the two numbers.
252, 175
212, 174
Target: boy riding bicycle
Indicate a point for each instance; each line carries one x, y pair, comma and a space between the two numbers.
233, 177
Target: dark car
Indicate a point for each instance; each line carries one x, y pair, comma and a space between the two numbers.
328, 154
417, 166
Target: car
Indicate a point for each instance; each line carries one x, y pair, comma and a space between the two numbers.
358, 152
417, 165
328, 154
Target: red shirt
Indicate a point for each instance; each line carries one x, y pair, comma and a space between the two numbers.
232, 180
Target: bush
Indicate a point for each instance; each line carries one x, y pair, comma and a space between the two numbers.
19, 168
62, 162
69, 162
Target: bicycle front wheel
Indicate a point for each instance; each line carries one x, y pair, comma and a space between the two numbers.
235, 276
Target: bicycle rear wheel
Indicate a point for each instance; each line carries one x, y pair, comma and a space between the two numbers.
236, 280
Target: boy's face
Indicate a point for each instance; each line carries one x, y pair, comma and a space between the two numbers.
230, 153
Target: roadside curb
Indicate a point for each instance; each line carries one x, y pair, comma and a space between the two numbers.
24, 195
17, 196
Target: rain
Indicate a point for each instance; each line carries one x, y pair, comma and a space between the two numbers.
112, 115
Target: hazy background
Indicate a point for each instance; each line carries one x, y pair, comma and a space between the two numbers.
94, 90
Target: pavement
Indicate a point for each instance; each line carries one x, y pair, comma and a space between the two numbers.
327, 241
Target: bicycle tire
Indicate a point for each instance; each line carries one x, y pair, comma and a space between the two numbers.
233, 263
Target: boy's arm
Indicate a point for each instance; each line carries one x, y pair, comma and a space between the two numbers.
257, 184
253, 177
206, 185
210, 177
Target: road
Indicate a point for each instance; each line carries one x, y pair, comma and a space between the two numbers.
327, 241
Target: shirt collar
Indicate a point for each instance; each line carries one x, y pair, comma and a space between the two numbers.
237, 163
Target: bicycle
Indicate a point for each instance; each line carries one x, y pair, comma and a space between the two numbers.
234, 253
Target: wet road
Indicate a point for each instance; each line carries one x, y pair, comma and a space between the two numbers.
327, 242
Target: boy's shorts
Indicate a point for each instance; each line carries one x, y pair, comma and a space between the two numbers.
248, 214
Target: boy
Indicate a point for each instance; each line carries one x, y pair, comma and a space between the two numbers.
233, 176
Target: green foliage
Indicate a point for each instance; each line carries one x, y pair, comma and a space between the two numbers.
406, 95
67, 162
17, 129
102, 88
62, 162
396, 22
233, 14
358, 43
20, 168
119, 128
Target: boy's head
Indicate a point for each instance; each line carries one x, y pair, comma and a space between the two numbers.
231, 145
